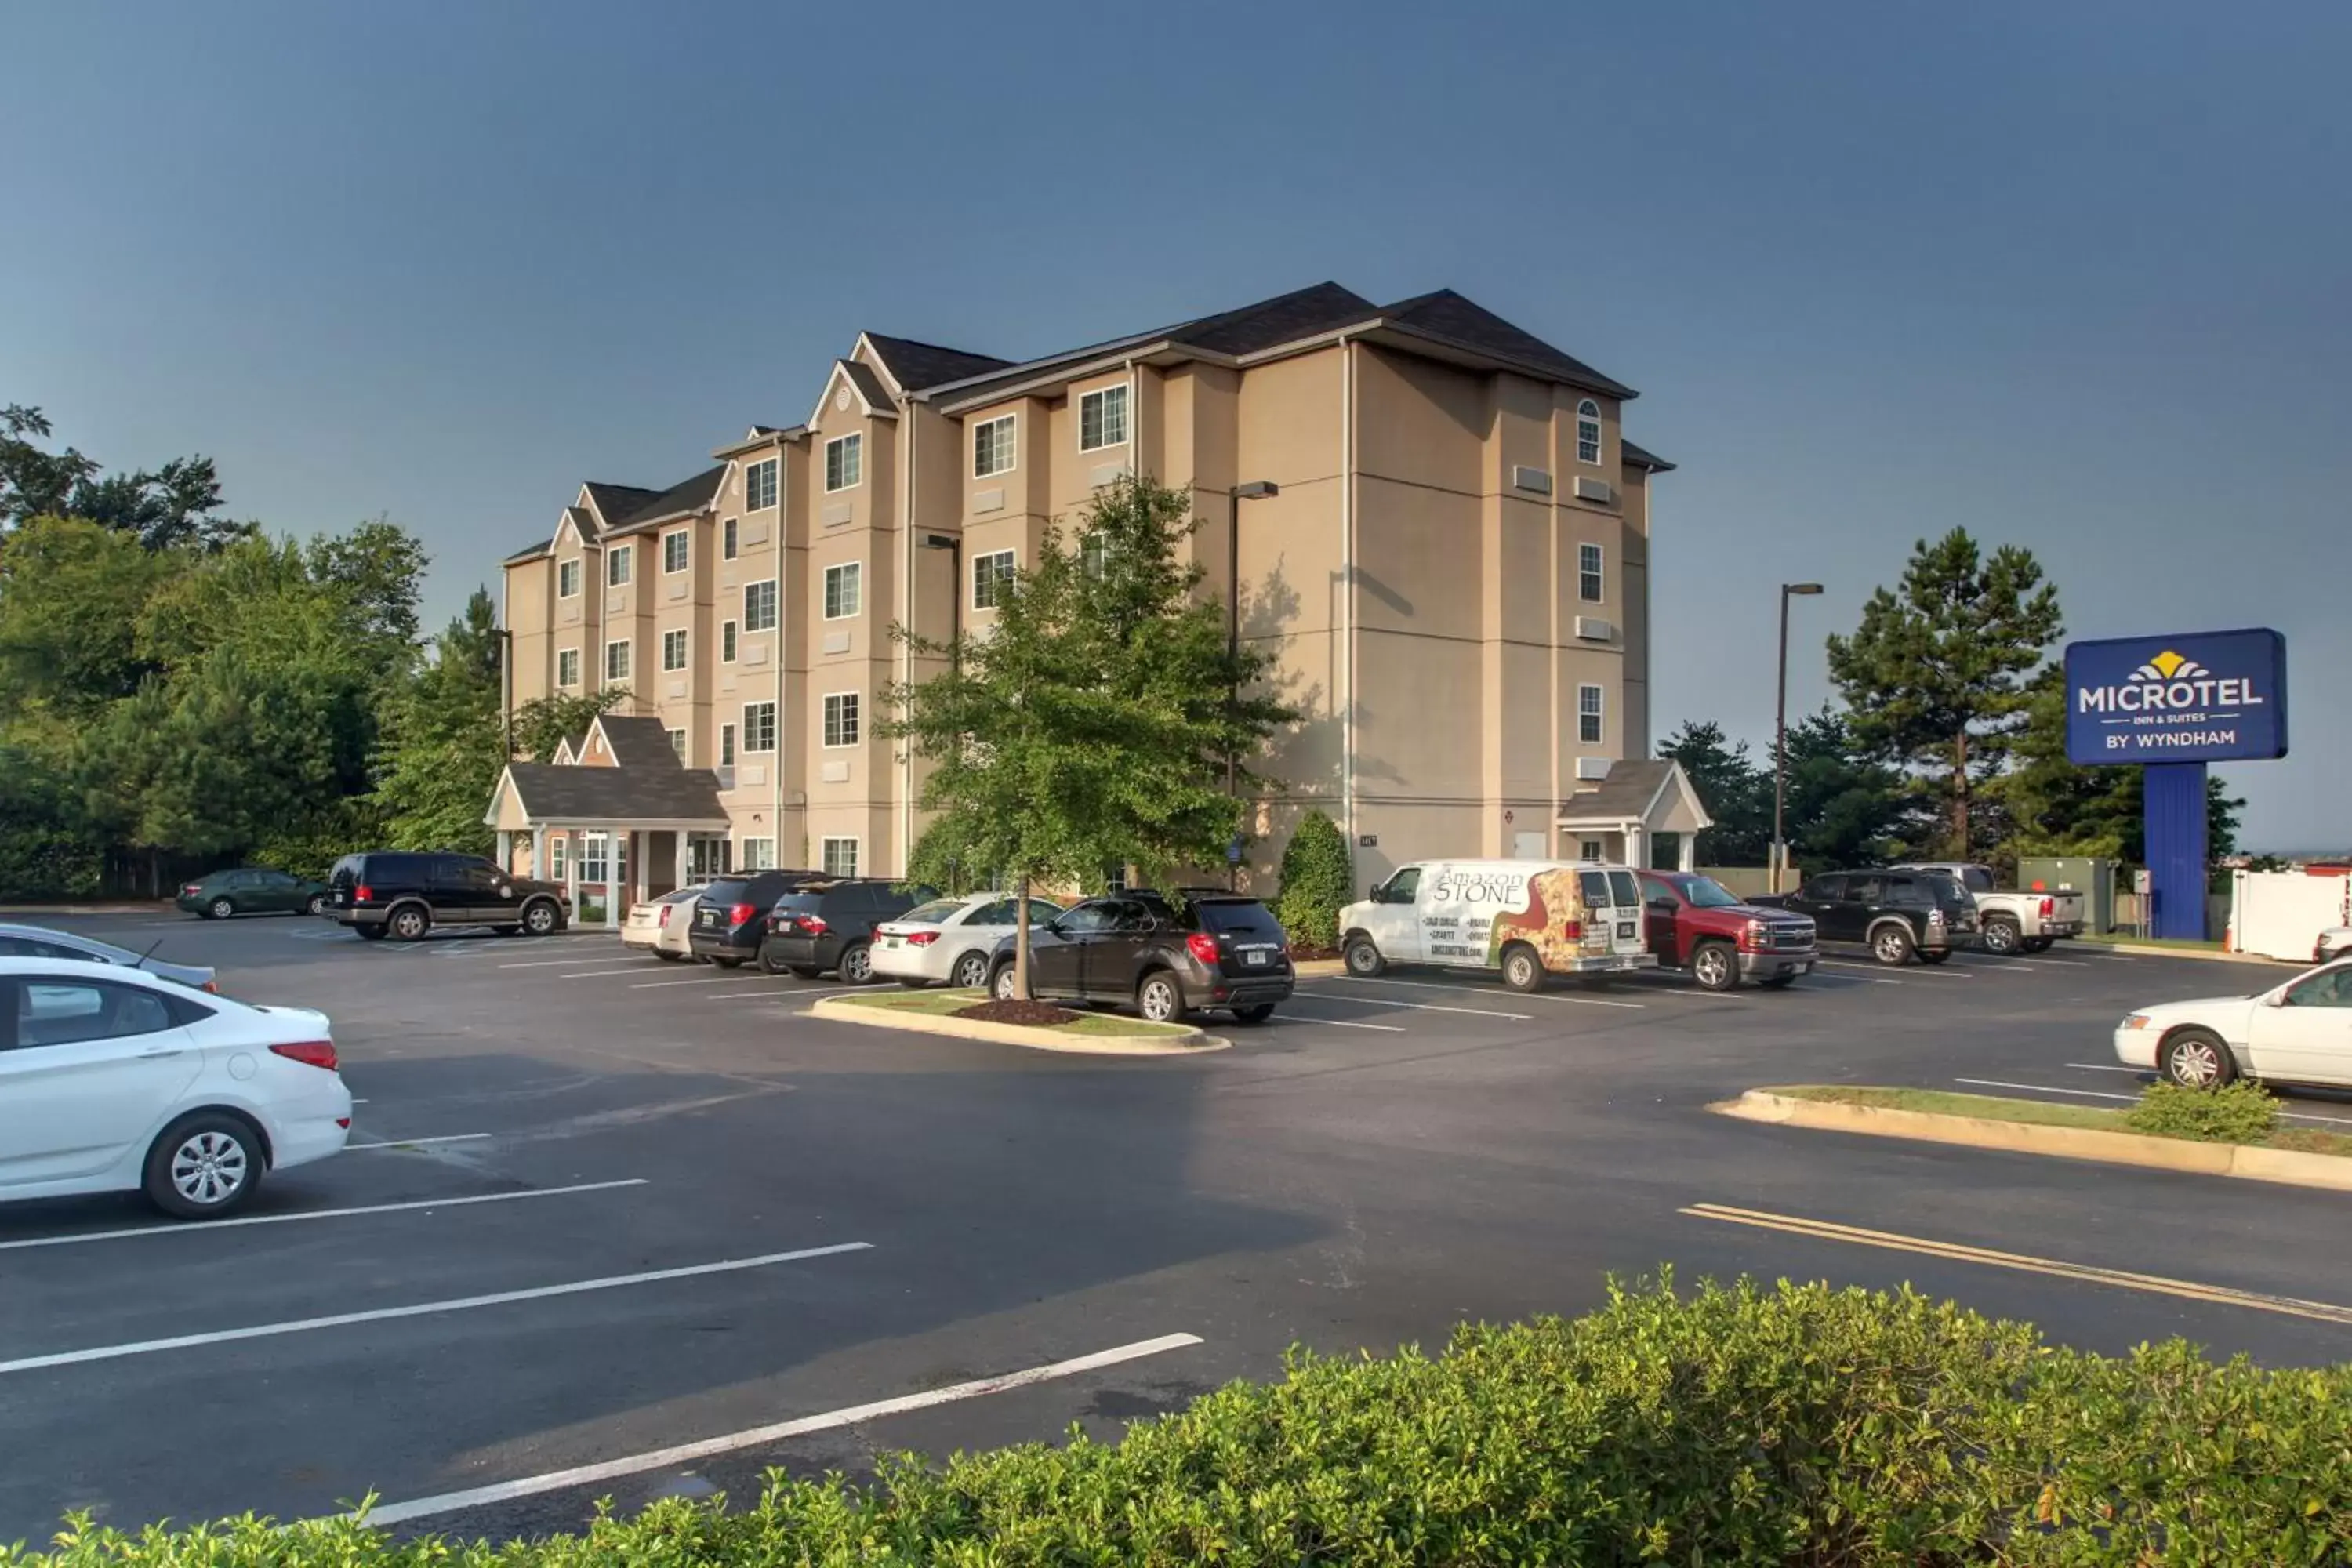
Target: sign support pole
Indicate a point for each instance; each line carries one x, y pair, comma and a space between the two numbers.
2173, 799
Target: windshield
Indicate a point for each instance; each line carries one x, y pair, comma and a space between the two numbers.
939, 911
1977, 880
1706, 894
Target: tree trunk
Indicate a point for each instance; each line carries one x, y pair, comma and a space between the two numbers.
1021, 941
1960, 798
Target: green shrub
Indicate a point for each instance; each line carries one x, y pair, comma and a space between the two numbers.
2239, 1112
1800, 1424
1318, 878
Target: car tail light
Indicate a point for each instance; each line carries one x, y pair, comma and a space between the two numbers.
310, 1053
345, 1122
363, 894
921, 938
1203, 946
664, 921
741, 914
2049, 908
812, 925
1571, 930
192, 888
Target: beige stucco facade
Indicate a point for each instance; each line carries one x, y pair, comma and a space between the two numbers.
1454, 585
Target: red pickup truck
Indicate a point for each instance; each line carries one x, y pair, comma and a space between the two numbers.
1697, 923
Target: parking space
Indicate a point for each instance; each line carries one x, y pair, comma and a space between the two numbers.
614, 1224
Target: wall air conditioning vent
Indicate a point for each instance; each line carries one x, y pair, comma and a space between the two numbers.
1592, 767
1535, 481
989, 500
1595, 490
1592, 629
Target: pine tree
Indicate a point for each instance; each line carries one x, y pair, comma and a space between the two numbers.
1737, 793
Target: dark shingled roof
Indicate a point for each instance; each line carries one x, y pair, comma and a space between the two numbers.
615, 502
1449, 318
915, 365
531, 552
685, 496
1301, 314
1640, 458
870, 385
637, 742
553, 792
1627, 791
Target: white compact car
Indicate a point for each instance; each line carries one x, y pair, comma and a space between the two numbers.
660, 926
2300, 1032
948, 940
119, 1081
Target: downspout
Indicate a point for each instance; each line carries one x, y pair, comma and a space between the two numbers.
776, 756
1347, 588
905, 655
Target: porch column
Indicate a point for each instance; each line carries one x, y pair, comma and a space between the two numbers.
1689, 851
616, 842
639, 842
539, 854
572, 869
683, 847
1635, 844
506, 853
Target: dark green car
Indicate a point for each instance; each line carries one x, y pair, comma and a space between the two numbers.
249, 890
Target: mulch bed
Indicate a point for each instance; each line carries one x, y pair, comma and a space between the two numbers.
1038, 1014
1308, 953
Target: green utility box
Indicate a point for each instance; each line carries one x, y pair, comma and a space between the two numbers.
2095, 880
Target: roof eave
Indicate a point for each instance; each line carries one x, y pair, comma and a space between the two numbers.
1437, 346
761, 442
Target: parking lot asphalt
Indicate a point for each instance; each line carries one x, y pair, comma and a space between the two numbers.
598, 1208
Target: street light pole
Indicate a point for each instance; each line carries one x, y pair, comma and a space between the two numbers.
1780, 738
1256, 490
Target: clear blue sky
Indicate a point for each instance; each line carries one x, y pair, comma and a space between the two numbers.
2076, 276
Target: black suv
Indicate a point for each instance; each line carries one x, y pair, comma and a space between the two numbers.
1166, 957
403, 895
731, 916
830, 925
1897, 913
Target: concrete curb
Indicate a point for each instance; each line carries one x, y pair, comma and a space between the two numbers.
2144, 950
842, 1011
2282, 1165
160, 907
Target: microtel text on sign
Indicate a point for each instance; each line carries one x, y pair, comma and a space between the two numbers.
2201, 697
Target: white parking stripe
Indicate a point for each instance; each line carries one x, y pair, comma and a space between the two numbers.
657, 985
855, 1414
2106, 1066
413, 1143
1989, 962
1339, 1024
600, 974
421, 1309
1924, 969
1488, 991
2099, 1094
320, 1213
1417, 1006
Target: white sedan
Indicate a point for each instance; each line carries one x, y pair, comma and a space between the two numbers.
660, 926
2298, 1032
119, 1081
948, 940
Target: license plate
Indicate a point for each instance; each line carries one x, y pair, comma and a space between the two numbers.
711, 916
1254, 956
889, 941
1624, 931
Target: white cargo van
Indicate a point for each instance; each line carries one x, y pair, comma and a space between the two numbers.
1525, 917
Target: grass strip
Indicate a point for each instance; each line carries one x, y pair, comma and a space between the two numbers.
2038, 1112
940, 1003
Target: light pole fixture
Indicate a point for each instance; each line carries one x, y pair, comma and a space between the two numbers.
1780, 737
1256, 490
954, 545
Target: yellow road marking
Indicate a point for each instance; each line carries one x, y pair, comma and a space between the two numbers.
2156, 1284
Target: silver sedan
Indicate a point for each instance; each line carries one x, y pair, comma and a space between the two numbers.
40, 941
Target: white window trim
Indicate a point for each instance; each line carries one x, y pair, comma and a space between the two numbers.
726, 745
744, 736
1589, 852
1601, 572
1582, 419
686, 534
746, 861
631, 660
856, 853
728, 644
1012, 423
858, 437
579, 564
730, 538
678, 742
1600, 714
686, 650
561, 684
557, 844
980, 560
825, 700
750, 495
614, 556
1128, 386
775, 606
857, 566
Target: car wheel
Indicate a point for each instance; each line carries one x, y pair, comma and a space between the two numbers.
1160, 998
369, 934
409, 923
204, 1166
1258, 1014
1777, 982
728, 962
2040, 944
971, 971
1522, 970
2002, 935
1004, 985
1715, 966
667, 956
1934, 955
769, 965
316, 904
804, 971
1891, 944
1364, 960
856, 966
539, 918
2196, 1058
220, 909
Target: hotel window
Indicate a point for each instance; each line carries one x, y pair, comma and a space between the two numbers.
617, 661
1588, 433
1588, 573
674, 650
840, 857
758, 855
1102, 418
760, 607
567, 667
990, 573
844, 590
841, 719
759, 726
726, 745
616, 565
1588, 715
1589, 851
1094, 553
595, 856
993, 447
727, 642
556, 845
759, 486
674, 551
678, 743
845, 462
727, 540
567, 578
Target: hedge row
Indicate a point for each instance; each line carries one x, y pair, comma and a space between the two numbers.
1800, 1424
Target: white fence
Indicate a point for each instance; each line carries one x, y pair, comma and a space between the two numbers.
2280, 914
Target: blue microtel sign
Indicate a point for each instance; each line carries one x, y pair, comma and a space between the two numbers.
2209, 697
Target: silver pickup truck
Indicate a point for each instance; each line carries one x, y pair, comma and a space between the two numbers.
2011, 922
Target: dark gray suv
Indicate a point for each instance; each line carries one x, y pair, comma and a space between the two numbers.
1164, 957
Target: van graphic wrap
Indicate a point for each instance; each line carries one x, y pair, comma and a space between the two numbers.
1550, 905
